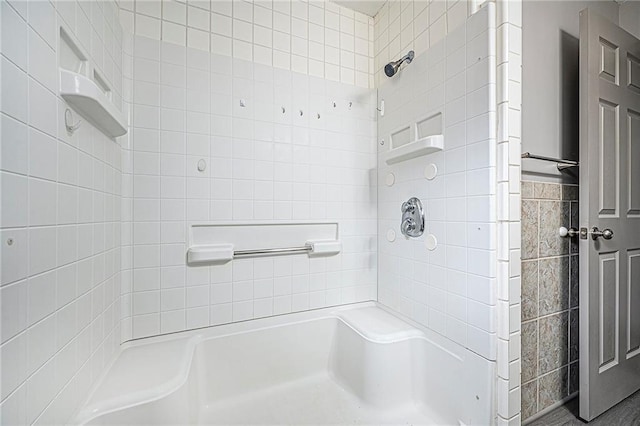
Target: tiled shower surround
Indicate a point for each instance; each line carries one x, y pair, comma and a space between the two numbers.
549, 296
160, 191
278, 146
449, 289
59, 215
286, 41
318, 38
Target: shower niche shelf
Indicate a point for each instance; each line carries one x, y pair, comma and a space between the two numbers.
415, 139
86, 91
417, 148
90, 101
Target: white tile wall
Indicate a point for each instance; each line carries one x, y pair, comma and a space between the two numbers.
320, 39
509, 78
403, 25
59, 217
63, 266
301, 148
450, 289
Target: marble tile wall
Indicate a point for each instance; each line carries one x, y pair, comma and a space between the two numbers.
549, 296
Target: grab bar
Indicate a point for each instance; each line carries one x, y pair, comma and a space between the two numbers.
225, 252
561, 164
267, 252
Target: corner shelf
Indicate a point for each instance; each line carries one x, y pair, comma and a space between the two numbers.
418, 148
92, 103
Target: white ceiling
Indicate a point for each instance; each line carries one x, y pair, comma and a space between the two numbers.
368, 7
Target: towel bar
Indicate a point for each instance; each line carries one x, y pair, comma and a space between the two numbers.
561, 164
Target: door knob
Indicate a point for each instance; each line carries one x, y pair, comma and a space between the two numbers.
571, 232
607, 234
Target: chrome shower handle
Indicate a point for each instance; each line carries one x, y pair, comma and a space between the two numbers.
408, 226
412, 223
408, 207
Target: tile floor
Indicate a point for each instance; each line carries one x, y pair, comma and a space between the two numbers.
624, 414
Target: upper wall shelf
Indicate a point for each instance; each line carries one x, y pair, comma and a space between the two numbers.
92, 103
85, 89
418, 148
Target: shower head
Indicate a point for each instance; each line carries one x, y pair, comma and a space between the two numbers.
392, 67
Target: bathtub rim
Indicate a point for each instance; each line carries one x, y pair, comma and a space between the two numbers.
257, 324
89, 410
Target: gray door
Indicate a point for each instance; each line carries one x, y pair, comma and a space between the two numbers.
610, 201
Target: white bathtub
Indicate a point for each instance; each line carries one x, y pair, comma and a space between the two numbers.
357, 364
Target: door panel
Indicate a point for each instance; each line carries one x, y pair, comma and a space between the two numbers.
609, 199
633, 148
608, 61
608, 158
633, 315
608, 310
633, 69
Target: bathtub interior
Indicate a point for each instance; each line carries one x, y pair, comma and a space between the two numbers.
357, 365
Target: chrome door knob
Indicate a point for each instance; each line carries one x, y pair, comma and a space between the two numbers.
607, 234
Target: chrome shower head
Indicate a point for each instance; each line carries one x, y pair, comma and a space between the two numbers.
392, 67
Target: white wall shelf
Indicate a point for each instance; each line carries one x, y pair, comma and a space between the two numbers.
418, 148
84, 95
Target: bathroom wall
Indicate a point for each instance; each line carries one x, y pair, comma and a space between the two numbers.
350, 278
550, 127
509, 134
449, 289
430, 22
59, 217
317, 38
550, 74
549, 296
301, 148
401, 26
